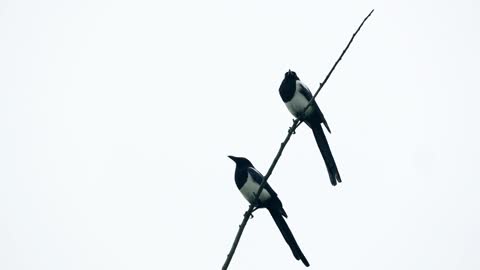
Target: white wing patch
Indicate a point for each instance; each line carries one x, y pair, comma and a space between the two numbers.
250, 188
299, 84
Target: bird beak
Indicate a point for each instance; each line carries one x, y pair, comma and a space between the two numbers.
233, 158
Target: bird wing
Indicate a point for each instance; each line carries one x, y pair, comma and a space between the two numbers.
274, 202
303, 89
258, 178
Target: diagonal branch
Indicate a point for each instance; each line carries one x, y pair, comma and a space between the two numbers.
291, 131
338, 60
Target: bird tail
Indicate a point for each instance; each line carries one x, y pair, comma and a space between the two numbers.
326, 153
288, 236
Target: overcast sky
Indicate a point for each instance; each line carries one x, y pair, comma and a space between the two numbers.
116, 119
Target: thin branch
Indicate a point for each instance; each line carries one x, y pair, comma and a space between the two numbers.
291, 131
338, 60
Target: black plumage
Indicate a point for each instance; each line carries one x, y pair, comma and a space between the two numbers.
296, 95
248, 180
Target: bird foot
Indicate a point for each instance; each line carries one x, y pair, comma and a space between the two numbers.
292, 127
254, 209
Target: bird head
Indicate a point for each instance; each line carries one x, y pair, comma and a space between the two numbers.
291, 75
241, 161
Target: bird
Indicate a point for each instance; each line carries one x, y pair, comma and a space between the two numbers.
248, 180
296, 96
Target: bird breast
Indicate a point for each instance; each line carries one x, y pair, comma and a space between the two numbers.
297, 105
250, 188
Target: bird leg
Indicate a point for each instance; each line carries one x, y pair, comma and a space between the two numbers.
255, 208
292, 127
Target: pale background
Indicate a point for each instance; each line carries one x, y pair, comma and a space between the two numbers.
116, 119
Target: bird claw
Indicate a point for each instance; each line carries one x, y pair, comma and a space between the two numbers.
291, 129
255, 208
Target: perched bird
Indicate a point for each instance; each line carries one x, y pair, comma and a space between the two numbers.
296, 95
248, 180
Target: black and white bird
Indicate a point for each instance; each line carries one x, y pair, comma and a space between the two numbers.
296, 95
248, 180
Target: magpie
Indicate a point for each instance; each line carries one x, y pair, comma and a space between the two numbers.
248, 180
296, 95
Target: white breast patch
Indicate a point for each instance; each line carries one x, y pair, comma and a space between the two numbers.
297, 104
250, 188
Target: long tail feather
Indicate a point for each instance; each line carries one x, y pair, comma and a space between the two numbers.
288, 236
326, 153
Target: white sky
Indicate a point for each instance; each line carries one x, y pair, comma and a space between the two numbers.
116, 119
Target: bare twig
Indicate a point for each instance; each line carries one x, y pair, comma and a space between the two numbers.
338, 60
291, 131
